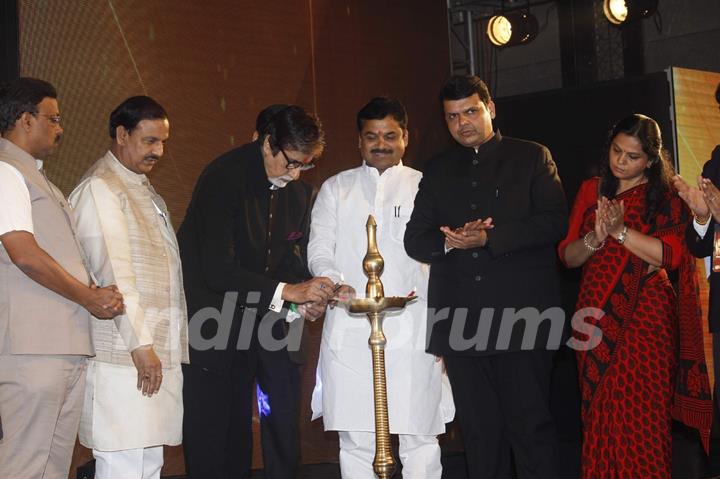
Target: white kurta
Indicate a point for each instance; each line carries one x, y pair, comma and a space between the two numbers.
419, 395
116, 416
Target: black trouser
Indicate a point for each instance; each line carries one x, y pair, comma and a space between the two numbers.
217, 426
502, 404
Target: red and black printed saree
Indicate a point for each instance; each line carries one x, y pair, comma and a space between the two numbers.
649, 366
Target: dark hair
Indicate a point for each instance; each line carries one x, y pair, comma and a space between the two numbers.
659, 173
462, 86
134, 110
717, 94
263, 119
20, 96
292, 128
381, 107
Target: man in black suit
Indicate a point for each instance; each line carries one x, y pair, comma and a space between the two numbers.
487, 216
243, 251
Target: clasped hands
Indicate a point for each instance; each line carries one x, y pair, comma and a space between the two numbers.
315, 295
104, 303
609, 219
703, 200
471, 235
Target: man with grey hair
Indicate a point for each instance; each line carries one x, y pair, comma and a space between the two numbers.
244, 237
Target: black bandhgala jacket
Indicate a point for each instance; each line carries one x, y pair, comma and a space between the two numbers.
516, 183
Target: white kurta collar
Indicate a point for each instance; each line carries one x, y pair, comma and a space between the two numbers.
374, 173
120, 169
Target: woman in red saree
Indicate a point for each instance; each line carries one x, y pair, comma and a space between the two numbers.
627, 231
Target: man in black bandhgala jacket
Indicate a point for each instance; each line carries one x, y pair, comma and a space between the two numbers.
487, 216
243, 252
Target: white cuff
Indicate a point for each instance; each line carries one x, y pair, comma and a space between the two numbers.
701, 230
707, 260
277, 302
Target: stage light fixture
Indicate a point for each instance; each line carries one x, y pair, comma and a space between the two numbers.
619, 12
512, 28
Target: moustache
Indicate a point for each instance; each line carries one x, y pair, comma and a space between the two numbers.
152, 158
377, 151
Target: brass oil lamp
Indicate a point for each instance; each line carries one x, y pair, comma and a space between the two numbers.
375, 305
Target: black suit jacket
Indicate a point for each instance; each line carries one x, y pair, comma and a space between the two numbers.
702, 247
516, 183
239, 236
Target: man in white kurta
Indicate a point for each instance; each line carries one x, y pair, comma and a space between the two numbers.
419, 396
133, 401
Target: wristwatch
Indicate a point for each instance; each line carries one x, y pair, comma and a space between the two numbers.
623, 235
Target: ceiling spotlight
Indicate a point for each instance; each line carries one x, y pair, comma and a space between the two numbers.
512, 28
619, 12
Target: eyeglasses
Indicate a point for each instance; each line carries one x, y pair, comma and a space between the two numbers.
297, 165
54, 119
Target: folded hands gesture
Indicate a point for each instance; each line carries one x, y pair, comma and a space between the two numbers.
471, 235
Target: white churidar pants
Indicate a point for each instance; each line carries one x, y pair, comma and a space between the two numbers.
143, 463
419, 455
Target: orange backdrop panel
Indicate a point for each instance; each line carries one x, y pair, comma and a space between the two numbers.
697, 123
